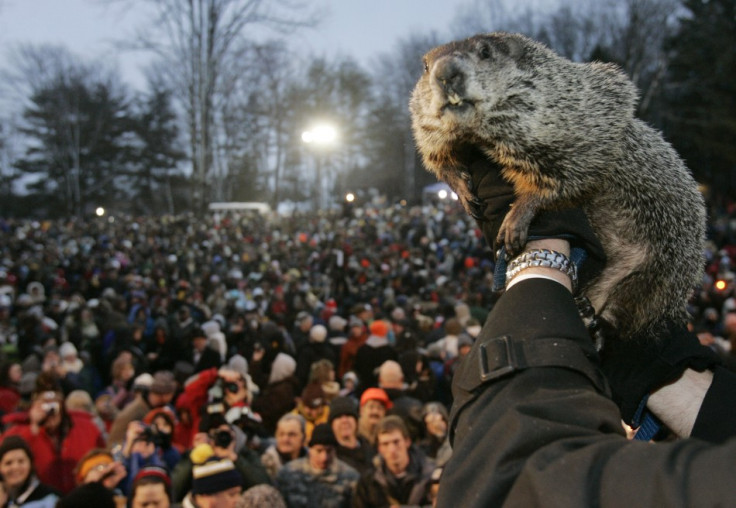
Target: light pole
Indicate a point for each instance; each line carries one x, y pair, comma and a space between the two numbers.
321, 136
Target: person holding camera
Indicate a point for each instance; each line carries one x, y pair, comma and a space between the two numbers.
57, 438
159, 394
228, 443
140, 449
229, 385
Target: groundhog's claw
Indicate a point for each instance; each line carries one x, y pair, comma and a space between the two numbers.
512, 234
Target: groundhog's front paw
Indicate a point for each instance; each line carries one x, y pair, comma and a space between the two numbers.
513, 234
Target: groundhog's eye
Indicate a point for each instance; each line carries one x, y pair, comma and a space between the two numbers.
426, 65
484, 51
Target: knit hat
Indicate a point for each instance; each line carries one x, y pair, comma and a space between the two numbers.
313, 396
262, 495
153, 472
239, 364
323, 435
398, 314
165, 412
210, 327
318, 333
464, 340
302, 316
144, 381
337, 323
379, 328
214, 474
11, 443
435, 407
341, 406
163, 383
67, 349
282, 367
90, 461
376, 394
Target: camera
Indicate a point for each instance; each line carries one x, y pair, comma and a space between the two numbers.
217, 391
50, 408
222, 438
151, 434
232, 387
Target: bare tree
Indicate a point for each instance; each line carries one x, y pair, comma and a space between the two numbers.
194, 40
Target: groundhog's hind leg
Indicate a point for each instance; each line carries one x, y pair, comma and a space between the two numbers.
514, 230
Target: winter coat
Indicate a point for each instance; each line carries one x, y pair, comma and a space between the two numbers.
274, 401
370, 356
308, 354
378, 487
359, 458
136, 410
55, 467
547, 433
305, 487
36, 495
273, 461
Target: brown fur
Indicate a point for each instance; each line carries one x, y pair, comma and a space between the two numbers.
565, 135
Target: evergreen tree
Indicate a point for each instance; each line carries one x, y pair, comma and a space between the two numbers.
701, 121
77, 124
157, 154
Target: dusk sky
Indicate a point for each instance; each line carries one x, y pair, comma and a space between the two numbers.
359, 28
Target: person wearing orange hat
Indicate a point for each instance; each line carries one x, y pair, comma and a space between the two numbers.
373, 406
373, 353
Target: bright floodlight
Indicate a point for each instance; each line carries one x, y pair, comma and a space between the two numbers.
349, 197
100, 211
454, 196
442, 194
320, 134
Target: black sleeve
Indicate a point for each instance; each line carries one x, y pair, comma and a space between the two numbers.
716, 421
530, 434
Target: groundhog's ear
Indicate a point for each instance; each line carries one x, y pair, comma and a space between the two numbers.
514, 48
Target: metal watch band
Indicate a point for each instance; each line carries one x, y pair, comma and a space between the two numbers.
544, 258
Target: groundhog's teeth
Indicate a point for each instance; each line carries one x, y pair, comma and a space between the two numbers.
454, 99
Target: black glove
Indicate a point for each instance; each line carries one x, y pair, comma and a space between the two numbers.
495, 195
642, 364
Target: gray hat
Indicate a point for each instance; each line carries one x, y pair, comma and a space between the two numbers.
163, 382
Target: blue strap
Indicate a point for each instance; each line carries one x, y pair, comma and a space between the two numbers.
648, 424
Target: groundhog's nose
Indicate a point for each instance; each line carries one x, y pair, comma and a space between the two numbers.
449, 76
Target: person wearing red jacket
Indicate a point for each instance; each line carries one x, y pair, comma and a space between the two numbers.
58, 438
234, 384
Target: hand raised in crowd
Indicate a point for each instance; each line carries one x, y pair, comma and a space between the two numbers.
109, 474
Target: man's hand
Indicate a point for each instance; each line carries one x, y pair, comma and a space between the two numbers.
496, 197
640, 365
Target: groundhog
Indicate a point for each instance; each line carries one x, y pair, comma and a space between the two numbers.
564, 135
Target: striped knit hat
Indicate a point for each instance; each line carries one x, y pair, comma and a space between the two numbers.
214, 475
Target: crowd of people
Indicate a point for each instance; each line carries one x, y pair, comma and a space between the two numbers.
251, 360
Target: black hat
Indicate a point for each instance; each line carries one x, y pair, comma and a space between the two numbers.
341, 406
323, 435
15, 443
